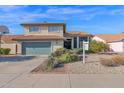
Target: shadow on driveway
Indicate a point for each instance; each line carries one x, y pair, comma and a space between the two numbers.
16, 58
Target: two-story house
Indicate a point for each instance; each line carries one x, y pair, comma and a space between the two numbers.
45, 38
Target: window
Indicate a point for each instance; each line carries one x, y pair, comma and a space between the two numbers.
81, 39
54, 28
34, 29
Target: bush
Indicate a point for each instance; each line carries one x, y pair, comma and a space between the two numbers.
113, 61
59, 52
119, 59
5, 51
64, 58
80, 51
96, 47
60, 56
50, 65
108, 62
1, 50
75, 57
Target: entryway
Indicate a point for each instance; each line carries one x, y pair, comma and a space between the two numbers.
67, 43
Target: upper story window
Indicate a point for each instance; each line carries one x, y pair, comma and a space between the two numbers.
54, 28
34, 29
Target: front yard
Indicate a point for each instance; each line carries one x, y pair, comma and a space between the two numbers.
93, 66
96, 63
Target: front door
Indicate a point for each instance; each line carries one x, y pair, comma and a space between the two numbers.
67, 43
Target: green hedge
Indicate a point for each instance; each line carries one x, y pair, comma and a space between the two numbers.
5, 51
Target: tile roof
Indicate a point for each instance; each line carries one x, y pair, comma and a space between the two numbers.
39, 37
9, 38
76, 34
111, 37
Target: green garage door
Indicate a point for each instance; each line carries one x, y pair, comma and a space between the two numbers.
36, 48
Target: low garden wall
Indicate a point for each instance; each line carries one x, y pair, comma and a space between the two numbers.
10, 46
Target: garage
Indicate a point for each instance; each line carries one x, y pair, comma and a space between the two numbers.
36, 48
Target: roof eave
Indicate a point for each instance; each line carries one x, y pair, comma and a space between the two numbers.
24, 24
16, 39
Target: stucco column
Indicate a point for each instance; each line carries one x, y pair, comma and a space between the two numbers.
77, 41
88, 39
123, 46
72, 43
19, 48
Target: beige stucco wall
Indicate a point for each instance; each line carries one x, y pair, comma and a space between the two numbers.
57, 44
19, 48
98, 39
43, 31
12, 46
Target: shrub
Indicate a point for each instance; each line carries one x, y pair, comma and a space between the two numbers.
61, 55
96, 47
113, 61
1, 50
59, 52
75, 57
50, 65
108, 62
119, 59
64, 58
5, 51
55, 59
80, 51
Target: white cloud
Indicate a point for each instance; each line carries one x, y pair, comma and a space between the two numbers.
117, 12
65, 10
9, 8
17, 14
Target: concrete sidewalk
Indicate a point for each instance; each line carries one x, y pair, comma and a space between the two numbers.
67, 81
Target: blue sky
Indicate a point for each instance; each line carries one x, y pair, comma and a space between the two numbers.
91, 19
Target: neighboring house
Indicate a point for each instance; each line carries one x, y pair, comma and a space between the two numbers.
115, 41
45, 38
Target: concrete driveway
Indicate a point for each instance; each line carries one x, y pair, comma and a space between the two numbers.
17, 66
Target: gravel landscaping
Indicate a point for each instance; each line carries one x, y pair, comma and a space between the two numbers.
93, 66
